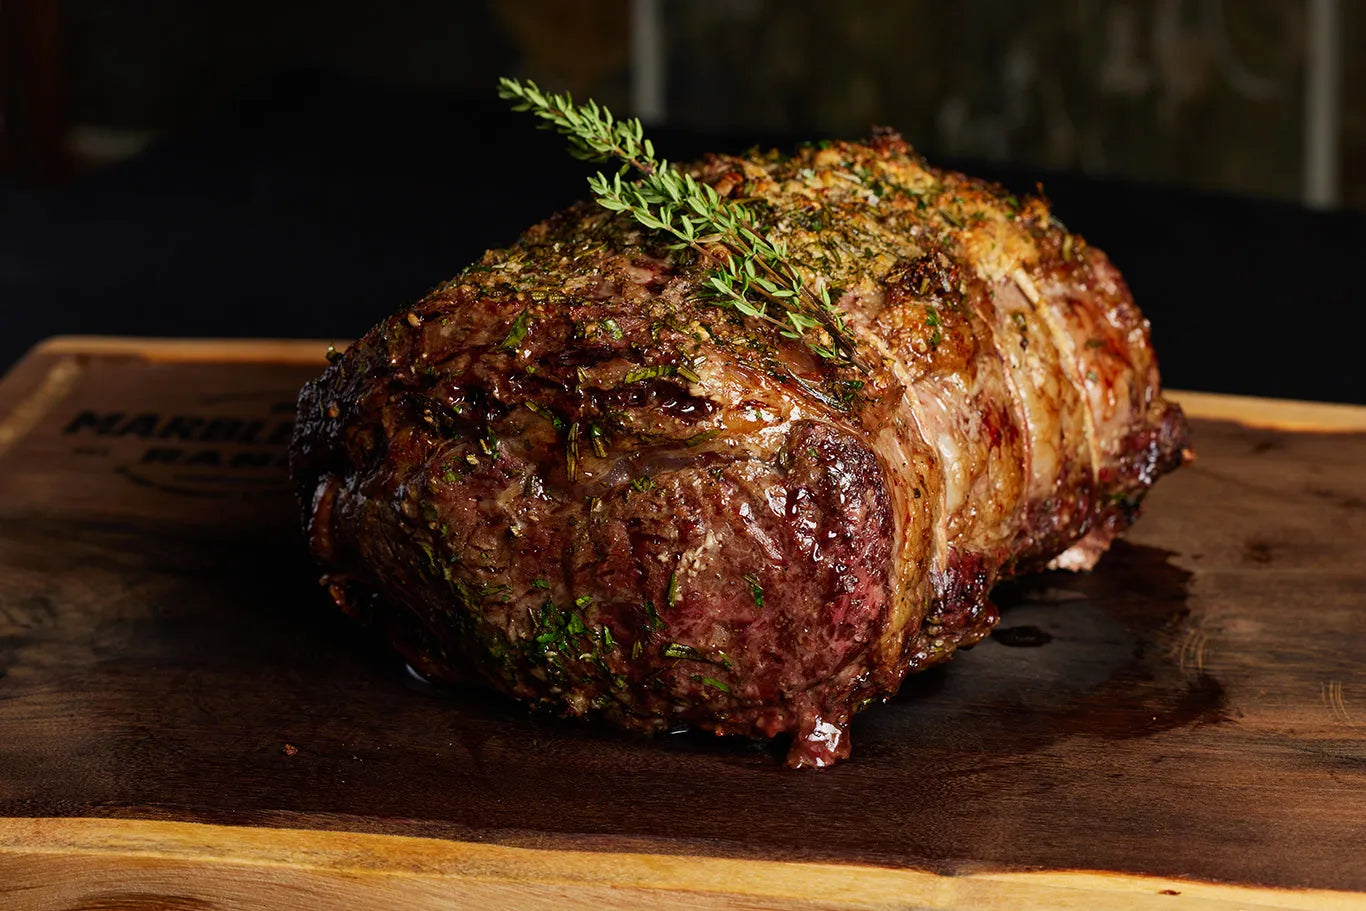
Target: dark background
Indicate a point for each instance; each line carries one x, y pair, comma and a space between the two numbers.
301, 169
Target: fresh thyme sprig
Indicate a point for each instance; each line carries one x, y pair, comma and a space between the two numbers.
594, 134
755, 273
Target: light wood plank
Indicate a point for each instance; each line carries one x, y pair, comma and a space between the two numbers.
51, 863
211, 350
1272, 414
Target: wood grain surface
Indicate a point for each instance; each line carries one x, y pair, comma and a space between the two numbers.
185, 720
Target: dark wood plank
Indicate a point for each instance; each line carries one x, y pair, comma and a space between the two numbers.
1191, 708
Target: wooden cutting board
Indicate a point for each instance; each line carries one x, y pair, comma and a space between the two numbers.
185, 722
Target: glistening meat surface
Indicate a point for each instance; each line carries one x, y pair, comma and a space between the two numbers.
569, 475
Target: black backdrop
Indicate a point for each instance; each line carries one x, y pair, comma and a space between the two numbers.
312, 207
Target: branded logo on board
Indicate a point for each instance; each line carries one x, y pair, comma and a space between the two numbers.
215, 455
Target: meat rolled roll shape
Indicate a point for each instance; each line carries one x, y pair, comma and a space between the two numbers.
569, 475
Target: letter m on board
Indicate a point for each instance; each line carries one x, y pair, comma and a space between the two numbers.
102, 424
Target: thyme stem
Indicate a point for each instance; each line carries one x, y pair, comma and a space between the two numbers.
754, 273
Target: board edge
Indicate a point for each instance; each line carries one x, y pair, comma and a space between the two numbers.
176, 349
179, 856
1295, 415
1252, 411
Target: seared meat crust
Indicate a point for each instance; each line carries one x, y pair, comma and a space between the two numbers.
569, 475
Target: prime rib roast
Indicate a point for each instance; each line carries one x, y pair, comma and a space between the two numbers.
570, 475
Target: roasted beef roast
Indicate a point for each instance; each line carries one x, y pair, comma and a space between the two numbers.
571, 474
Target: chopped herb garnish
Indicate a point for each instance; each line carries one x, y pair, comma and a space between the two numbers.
429, 553
542, 584
698, 439
715, 684
571, 453
848, 390
516, 333
539, 409
681, 652
652, 621
643, 484
583, 600
756, 591
671, 597
649, 373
